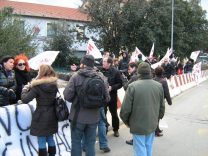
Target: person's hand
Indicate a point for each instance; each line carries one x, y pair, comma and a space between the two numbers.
27, 87
11, 94
73, 67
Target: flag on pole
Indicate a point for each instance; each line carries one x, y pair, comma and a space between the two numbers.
137, 51
194, 55
152, 51
46, 57
134, 56
93, 50
168, 53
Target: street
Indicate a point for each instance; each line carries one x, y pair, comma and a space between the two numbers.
185, 128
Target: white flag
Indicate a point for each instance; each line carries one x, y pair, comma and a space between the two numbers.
93, 50
152, 51
46, 57
168, 53
194, 55
137, 51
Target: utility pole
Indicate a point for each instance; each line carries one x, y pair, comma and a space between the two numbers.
172, 25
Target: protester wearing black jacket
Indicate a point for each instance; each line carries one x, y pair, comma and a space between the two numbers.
159, 78
115, 83
22, 75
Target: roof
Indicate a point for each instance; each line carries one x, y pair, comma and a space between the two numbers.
46, 11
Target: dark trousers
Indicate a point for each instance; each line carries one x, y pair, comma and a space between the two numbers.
112, 106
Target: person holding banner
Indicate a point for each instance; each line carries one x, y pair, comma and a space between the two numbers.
189, 66
7, 81
44, 121
168, 68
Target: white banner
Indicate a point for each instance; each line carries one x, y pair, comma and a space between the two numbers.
15, 138
47, 57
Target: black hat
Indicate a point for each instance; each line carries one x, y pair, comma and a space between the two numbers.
144, 69
88, 60
5, 59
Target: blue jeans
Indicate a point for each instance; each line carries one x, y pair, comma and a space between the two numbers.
42, 141
89, 133
102, 129
143, 144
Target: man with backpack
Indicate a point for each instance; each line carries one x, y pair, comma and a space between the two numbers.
88, 91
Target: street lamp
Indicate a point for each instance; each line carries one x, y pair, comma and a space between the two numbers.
172, 25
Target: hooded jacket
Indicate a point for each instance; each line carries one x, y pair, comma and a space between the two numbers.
44, 121
85, 116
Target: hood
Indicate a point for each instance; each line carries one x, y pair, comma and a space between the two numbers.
47, 84
87, 71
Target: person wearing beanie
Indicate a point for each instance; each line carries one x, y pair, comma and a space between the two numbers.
88, 60
84, 121
142, 106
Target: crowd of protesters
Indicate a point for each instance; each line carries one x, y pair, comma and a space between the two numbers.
16, 84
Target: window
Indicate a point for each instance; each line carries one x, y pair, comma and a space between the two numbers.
50, 30
80, 31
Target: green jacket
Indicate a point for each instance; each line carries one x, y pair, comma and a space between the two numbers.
142, 106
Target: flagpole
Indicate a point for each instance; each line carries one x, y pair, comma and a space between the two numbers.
172, 25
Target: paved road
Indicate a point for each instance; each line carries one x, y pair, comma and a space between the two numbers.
185, 127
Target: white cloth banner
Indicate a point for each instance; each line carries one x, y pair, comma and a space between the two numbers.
197, 69
93, 50
47, 57
194, 55
15, 135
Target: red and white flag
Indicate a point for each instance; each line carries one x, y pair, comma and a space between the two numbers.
152, 51
93, 50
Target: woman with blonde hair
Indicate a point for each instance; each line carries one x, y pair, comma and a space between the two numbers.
44, 122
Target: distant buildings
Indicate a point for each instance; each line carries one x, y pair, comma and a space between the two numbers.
40, 17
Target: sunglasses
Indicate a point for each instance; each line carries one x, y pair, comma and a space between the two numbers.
21, 64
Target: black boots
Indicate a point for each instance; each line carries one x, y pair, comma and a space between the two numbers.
52, 150
42, 152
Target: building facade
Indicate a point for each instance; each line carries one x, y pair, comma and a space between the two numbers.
40, 18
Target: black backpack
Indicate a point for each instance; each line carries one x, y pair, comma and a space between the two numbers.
91, 94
